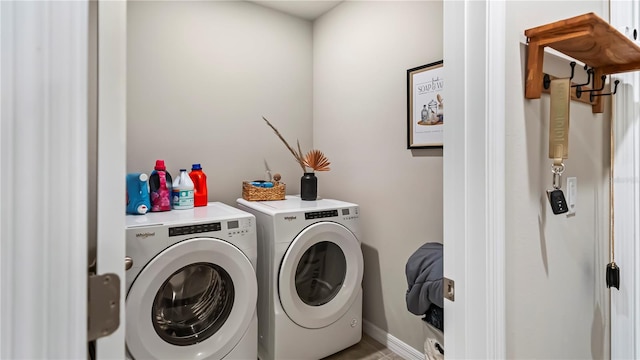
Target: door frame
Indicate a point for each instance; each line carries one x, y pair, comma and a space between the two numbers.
474, 178
625, 311
112, 158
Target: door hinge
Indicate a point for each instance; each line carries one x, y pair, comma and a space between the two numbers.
449, 290
104, 305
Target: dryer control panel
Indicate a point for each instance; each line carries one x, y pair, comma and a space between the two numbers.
346, 213
320, 214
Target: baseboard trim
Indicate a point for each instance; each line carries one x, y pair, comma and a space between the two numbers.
391, 342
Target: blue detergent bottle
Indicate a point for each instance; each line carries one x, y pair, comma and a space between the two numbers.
138, 202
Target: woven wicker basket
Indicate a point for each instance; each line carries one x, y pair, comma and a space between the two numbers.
254, 193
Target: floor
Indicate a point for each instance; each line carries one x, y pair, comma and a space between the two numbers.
366, 349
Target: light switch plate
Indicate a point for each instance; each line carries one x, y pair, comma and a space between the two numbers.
572, 194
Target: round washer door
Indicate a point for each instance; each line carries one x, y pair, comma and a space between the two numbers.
194, 300
320, 275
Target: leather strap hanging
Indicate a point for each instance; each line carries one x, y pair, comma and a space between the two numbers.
560, 90
559, 140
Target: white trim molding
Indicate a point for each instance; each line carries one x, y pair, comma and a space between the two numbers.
474, 178
495, 91
391, 342
43, 157
112, 157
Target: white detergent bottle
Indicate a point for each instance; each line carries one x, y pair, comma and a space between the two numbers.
182, 192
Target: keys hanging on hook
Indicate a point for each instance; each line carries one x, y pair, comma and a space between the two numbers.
556, 197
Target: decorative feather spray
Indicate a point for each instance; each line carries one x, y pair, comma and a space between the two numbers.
297, 156
314, 159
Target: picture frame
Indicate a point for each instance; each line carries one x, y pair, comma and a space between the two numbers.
425, 106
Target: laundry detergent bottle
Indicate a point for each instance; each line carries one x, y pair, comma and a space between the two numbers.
138, 201
160, 187
199, 178
182, 191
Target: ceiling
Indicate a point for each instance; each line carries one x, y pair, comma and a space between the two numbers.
305, 9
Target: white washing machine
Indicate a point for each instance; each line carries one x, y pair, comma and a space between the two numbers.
191, 288
310, 270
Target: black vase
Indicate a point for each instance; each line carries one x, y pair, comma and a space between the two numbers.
309, 186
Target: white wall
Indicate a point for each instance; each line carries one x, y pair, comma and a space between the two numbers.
200, 77
361, 53
557, 301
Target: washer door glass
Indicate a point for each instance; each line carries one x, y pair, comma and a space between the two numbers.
193, 304
320, 273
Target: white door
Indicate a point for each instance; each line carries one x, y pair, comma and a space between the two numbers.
320, 275
43, 157
195, 299
46, 96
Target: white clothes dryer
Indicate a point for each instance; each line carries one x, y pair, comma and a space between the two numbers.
191, 288
310, 269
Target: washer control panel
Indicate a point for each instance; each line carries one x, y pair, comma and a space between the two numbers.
194, 229
239, 227
232, 227
350, 214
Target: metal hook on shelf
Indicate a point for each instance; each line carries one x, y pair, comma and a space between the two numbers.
546, 79
589, 73
615, 88
573, 69
579, 90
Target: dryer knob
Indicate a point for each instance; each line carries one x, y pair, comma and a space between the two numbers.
128, 262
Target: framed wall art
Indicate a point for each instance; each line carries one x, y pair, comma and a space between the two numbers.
425, 106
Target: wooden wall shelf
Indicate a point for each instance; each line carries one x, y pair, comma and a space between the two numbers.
586, 38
